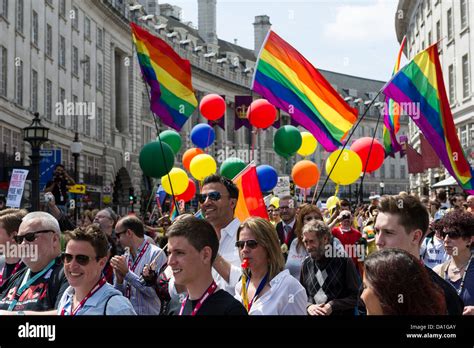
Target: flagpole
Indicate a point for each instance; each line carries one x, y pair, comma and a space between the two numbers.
347, 141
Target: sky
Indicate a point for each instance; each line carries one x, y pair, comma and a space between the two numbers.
354, 37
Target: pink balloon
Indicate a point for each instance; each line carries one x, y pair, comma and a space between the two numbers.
212, 107
377, 154
261, 113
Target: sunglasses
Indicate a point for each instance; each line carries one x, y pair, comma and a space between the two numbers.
251, 243
451, 235
83, 260
30, 236
213, 196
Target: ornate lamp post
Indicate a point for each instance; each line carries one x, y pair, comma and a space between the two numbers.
382, 186
76, 148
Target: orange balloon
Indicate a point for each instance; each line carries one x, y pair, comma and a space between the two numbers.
189, 155
305, 174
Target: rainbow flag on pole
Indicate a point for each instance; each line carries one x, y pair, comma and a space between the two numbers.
391, 118
287, 80
421, 83
169, 78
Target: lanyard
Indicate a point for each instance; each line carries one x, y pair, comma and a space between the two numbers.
29, 282
15, 269
262, 284
463, 276
96, 288
133, 266
210, 290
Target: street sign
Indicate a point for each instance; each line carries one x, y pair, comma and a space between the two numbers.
50, 158
15, 191
80, 189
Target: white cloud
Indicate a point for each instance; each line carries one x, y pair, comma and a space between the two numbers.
363, 23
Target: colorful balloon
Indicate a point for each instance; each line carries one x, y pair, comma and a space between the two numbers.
172, 138
347, 169
202, 135
202, 166
261, 113
154, 161
305, 174
267, 177
332, 202
308, 144
212, 107
189, 193
282, 154
179, 180
287, 139
231, 167
275, 201
189, 154
377, 154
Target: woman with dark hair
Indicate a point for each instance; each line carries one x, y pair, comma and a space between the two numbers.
458, 235
396, 283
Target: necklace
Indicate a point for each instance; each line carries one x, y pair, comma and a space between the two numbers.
457, 270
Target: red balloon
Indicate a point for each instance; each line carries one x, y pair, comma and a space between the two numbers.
189, 193
212, 107
261, 113
377, 154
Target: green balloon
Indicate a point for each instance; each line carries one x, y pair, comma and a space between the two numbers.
281, 153
152, 162
288, 139
231, 167
172, 138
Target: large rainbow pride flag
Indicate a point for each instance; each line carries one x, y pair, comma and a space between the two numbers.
169, 78
421, 82
287, 80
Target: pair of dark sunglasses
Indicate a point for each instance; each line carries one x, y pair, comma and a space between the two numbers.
213, 196
251, 243
83, 260
452, 234
29, 237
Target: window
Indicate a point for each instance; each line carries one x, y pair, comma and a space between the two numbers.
3, 71
75, 61
48, 103
382, 171
422, 45
392, 171
428, 5
87, 126
87, 28
451, 83
4, 8
450, 25
464, 138
438, 30
34, 27
19, 83
100, 38
465, 76
87, 69
34, 90
75, 17
19, 16
464, 18
100, 78
402, 172
62, 8
100, 125
62, 51
429, 38
62, 99
75, 118
49, 40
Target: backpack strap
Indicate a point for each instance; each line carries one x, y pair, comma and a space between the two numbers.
107, 302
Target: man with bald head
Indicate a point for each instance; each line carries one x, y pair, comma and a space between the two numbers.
39, 286
470, 204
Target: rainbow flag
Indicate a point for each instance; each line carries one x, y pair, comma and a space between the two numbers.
287, 80
173, 210
169, 78
250, 201
421, 83
391, 118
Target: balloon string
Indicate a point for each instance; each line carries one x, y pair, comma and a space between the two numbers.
337, 190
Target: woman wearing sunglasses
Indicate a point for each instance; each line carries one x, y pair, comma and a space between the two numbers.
89, 293
265, 288
458, 237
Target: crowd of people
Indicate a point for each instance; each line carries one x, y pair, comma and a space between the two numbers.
398, 255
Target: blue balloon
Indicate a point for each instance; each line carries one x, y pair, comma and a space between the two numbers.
202, 135
267, 177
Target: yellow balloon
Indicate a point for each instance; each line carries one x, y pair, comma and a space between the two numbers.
347, 169
179, 179
201, 166
308, 144
275, 201
332, 202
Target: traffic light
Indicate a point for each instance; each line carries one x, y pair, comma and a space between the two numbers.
131, 195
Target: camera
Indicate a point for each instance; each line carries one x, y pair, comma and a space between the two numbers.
48, 197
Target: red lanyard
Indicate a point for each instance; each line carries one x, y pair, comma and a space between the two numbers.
96, 288
134, 266
15, 269
210, 290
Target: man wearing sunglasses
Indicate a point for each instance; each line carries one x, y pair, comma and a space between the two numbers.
38, 288
402, 223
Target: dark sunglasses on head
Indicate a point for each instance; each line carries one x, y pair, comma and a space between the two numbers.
83, 260
213, 196
251, 243
452, 234
30, 236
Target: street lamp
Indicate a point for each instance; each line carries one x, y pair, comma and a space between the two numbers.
382, 186
76, 148
35, 134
